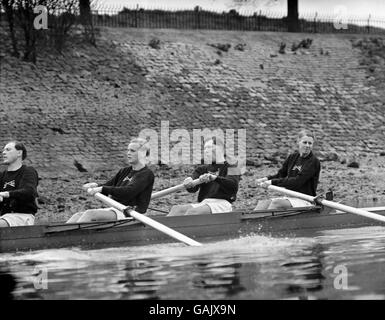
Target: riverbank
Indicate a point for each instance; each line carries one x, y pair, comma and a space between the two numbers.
84, 105
76, 111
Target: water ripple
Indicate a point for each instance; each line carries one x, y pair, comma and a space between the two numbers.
251, 267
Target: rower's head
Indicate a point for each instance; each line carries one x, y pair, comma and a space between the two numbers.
305, 142
137, 151
214, 150
14, 151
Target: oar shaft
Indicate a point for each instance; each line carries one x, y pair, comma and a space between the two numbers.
162, 228
292, 193
358, 211
329, 204
370, 209
148, 221
110, 202
165, 192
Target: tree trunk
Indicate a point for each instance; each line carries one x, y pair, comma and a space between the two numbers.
26, 18
86, 20
8, 7
292, 16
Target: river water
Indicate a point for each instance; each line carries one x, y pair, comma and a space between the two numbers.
338, 264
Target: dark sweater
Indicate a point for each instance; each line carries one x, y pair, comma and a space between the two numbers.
225, 186
299, 174
131, 188
22, 187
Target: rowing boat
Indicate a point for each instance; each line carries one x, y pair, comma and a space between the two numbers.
306, 221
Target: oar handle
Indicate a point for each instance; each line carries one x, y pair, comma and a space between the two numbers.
165, 192
328, 203
148, 221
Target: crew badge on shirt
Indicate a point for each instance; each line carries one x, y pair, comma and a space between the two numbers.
9, 183
297, 167
127, 178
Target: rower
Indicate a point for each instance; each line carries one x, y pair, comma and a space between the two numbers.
131, 186
18, 188
300, 172
220, 183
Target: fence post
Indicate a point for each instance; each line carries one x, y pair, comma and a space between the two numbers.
196, 17
315, 23
136, 16
368, 27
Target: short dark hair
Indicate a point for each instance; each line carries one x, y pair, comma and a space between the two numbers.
20, 146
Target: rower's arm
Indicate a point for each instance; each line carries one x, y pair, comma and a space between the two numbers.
113, 180
308, 171
282, 172
196, 174
27, 186
229, 183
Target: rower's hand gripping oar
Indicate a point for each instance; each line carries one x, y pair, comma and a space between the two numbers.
181, 186
146, 220
326, 203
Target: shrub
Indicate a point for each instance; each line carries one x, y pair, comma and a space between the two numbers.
154, 43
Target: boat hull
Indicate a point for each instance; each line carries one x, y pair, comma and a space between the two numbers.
204, 228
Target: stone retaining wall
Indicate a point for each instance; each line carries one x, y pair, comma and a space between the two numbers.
85, 104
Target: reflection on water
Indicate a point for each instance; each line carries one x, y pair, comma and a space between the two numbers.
305, 269
218, 278
7, 285
140, 279
252, 267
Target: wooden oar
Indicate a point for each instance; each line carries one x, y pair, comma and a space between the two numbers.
148, 221
370, 209
327, 203
165, 192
